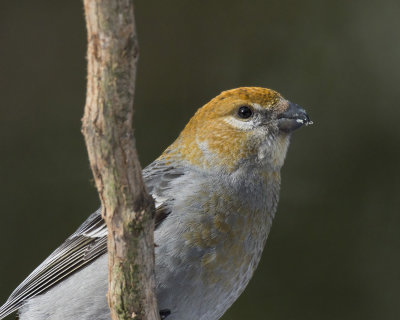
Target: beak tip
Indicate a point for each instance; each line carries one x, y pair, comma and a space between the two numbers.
293, 118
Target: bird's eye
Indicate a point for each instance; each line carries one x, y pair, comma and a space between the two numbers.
245, 112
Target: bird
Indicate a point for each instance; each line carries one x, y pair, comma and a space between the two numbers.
216, 191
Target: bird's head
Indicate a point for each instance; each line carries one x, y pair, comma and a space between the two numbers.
248, 125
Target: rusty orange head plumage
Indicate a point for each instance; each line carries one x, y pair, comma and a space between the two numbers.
237, 125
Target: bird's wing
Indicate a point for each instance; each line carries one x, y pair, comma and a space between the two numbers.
88, 242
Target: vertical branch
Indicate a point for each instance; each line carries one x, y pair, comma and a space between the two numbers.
107, 128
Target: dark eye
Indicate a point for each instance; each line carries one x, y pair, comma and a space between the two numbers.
245, 112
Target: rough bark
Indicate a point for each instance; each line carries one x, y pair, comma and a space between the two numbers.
107, 128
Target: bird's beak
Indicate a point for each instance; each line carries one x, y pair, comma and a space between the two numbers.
293, 118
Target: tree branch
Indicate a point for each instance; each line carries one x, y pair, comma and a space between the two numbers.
107, 128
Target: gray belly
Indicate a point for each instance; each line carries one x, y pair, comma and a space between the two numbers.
83, 296
198, 275
202, 283
185, 285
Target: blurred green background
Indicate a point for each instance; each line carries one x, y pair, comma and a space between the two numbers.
333, 252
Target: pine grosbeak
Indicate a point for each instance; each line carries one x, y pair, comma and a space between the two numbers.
216, 191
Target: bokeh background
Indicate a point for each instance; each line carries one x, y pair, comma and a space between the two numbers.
334, 249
